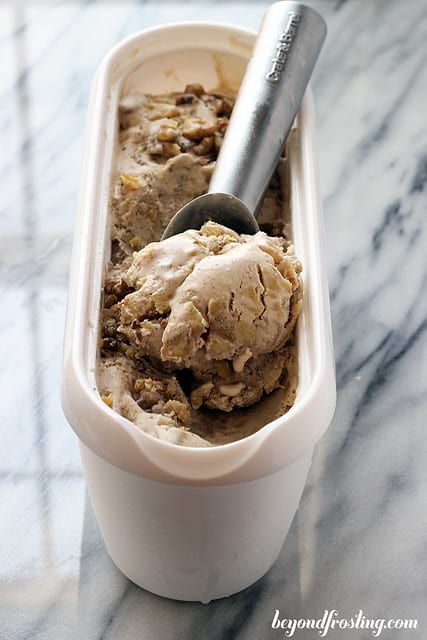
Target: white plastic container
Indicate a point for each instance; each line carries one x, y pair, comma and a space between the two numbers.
191, 523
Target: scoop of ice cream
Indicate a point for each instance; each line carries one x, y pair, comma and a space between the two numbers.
217, 305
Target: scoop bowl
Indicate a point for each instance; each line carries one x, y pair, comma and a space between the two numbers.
223, 208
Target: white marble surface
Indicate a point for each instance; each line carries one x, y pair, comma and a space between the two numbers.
359, 540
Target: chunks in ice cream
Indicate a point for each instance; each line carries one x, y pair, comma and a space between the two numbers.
197, 331
219, 306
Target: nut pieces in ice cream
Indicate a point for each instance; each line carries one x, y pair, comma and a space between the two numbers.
201, 321
219, 306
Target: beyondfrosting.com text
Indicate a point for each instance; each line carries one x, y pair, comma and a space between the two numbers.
331, 620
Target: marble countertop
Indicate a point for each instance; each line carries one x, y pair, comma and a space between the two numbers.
359, 540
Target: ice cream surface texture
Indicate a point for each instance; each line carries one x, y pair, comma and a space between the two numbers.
218, 305
200, 326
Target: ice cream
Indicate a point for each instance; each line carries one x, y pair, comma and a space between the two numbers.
166, 153
201, 325
218, 305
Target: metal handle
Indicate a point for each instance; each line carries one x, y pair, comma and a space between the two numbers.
288, 44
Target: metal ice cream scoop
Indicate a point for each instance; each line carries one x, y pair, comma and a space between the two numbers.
285, 52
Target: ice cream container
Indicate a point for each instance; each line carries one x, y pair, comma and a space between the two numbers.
182, 522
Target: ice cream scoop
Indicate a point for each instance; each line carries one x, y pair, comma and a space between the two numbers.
285, 52
231, 342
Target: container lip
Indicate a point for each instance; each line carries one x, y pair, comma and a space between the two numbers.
178, 25
76, 380
173, 26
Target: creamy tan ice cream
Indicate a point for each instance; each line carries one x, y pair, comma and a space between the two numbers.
219, 305
197, 328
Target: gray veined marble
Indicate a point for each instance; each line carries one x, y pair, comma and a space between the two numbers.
359, 541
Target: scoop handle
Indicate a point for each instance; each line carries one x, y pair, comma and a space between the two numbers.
289, 41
